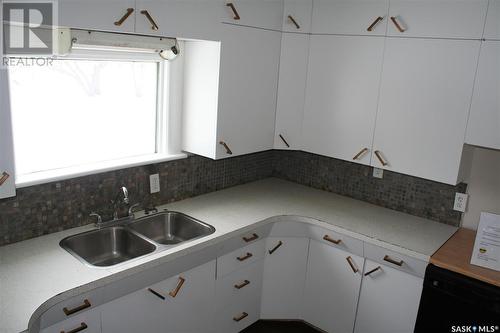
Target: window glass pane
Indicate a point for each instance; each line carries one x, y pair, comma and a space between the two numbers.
77, 112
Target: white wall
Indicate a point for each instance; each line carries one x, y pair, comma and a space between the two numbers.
483, 186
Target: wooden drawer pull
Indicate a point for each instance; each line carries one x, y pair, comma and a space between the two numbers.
228, 150
250, 239
377, 20
331, 240
351, 263
380, 158
271, 251
174, 292
241, 285
240, 317
361, 153
156, 293
372, 271
154, 26
393, 261
235, 12
290, 17
396, 23
124, 17
86, 304
4, 178
245, 257
80, 328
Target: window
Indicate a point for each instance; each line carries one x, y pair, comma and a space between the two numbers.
88, 113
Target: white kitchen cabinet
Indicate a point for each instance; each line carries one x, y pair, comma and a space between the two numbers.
179, 18
182, 303
285, 267
388, 301
107, 15
88, 322
7, 178
437, 18
291, 91
297, 16
483, 128
492, 28
424, 102
341, 96
332, 288
259, 14
350, 17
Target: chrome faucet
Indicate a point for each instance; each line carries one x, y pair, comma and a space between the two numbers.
116, 202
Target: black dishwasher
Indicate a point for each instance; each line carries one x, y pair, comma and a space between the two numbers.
452, 302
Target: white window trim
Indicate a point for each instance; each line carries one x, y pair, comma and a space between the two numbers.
167, 129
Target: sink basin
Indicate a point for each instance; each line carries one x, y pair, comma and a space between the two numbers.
107, 247
170, 228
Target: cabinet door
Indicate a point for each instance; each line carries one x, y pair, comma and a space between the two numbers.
291, 91
341, 97
179, 18
107, 15
285, 268
259, 14
492, 28
350, 17
248, 86
437, 18
423, 106
483, 128
297, 16
388, 301
7, 179
88, 322
332, 288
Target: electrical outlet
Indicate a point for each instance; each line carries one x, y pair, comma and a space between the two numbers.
378, 173
460, 202
154, 183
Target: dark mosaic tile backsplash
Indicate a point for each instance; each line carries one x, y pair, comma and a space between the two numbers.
48, 208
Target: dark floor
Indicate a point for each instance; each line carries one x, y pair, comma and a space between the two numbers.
272, 326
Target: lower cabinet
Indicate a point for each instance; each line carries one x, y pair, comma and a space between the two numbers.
88, 322
332, 288
285, 266
389, 299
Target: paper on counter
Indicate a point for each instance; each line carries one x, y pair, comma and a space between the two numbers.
486, 252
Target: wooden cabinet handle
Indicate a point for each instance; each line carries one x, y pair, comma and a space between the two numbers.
86, 304
80, 328
228, 151
372, 271
156, 294
235, 12
154, 26
394, 20
361, 153
4, 178
124, 17
241, 285
271, 251
250, 239
377, 20
174, 292
284, 141
331, 240
290, 17
380, 158
240, 317
245, 257
393, 261
351, 263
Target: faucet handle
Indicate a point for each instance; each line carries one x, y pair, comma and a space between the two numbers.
150, 209
99, 218
131, 209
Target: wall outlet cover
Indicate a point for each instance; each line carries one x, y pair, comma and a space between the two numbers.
460, 204
154, 183
378, 173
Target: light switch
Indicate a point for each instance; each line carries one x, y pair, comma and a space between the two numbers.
378, 173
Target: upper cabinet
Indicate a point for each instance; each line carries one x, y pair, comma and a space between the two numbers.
297, 16
483, 128
492, 28
260, 14
437, 18
350, 17
424, 102
7, 179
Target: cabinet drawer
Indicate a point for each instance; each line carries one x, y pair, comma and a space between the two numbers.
259, 14
239, 285
88, 322
349, 244
395, 260
73, 307
240, 258
239, 315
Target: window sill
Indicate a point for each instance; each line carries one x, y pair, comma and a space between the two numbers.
90, 169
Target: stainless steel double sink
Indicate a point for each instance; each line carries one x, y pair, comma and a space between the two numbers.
117, 244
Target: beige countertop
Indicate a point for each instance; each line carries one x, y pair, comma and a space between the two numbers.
37, 273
